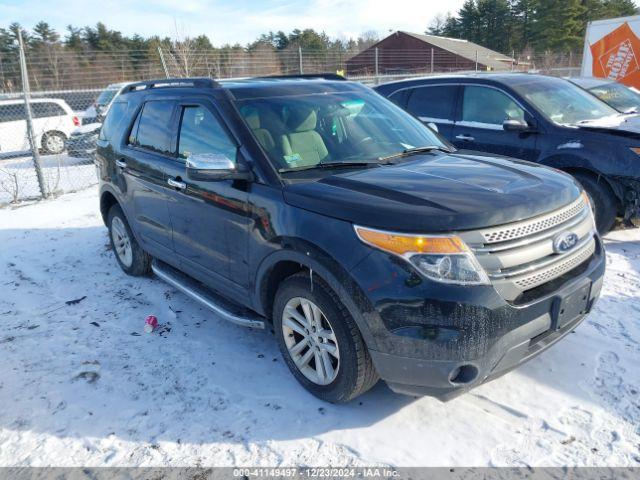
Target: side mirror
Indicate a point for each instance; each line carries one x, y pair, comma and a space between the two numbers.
433, 127
214, 167
514, 125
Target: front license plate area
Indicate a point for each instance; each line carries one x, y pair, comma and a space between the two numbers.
572, 306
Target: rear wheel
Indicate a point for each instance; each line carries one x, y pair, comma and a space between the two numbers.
602, 199
130, 256
54, 142
320, 341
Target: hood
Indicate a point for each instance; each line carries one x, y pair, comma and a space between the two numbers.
437, 192
620, 125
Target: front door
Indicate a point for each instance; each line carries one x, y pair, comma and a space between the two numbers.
483, 111
209, 218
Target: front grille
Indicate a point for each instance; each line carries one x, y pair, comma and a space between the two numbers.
543, 276
520, 256
529, 227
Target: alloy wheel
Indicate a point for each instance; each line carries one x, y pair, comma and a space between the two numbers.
310, 341
121, 241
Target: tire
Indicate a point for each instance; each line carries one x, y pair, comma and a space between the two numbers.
132, 259
54, 143
354, 370
602, 199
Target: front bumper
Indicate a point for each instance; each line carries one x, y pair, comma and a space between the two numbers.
455, 339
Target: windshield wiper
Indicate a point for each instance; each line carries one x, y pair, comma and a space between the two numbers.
413, 151
322, 165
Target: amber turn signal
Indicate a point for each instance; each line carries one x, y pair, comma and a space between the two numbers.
402, 244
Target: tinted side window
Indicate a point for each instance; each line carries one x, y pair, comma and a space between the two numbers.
114, 116
43, 110
154, 127
433, 102
400, 97
488, 105
12, 112
200, 132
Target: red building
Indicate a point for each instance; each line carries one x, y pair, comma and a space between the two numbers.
404, 52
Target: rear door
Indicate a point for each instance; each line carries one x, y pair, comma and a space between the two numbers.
210, 218
433, 104
143, 161
483, 109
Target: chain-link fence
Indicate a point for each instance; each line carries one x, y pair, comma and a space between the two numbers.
52, 102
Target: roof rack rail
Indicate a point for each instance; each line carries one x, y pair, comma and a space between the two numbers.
200, 82
325, 76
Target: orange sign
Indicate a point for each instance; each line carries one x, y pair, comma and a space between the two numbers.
615, 56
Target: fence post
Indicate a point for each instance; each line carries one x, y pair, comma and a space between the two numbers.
164, 64
377, 80
476, 60
300, 59
27, 108
432, 60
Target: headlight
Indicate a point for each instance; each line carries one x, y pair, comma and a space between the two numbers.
445, 259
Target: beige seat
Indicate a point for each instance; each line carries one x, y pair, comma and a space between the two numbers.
264, 137
303, 146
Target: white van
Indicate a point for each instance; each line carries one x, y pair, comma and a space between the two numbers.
53, 122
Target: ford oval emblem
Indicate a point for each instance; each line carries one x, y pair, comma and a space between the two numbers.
565, 241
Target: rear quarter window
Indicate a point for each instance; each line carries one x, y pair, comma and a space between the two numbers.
116, 114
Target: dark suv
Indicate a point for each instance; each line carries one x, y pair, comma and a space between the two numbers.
372, 248
538, 118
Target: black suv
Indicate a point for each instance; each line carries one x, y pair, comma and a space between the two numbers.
538, 118
370, 245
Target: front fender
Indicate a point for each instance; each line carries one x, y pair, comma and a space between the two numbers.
573, 163
319, 262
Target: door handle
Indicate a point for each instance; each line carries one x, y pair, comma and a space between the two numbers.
121, 163
176, 183
468, 138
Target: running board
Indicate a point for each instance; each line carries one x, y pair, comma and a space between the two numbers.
209, 299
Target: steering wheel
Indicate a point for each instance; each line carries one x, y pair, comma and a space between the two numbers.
365, 140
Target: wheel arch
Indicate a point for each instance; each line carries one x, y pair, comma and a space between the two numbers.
286, 262
107, 200
613, 187
43, 136
573, 164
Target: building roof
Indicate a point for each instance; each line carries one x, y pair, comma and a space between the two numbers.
466, 49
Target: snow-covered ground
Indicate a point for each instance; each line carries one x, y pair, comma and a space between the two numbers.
81, 384
61, 173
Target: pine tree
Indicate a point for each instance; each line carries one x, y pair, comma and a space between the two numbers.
558, 26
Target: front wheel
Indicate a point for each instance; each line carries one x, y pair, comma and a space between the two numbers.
602, 201
320, 342
130, 256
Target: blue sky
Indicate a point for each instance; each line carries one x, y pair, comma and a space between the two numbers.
230, 20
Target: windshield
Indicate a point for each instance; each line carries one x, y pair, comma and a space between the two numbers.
305, 131
106, 96
618, 96
563, 102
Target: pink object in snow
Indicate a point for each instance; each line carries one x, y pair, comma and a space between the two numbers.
150, 323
